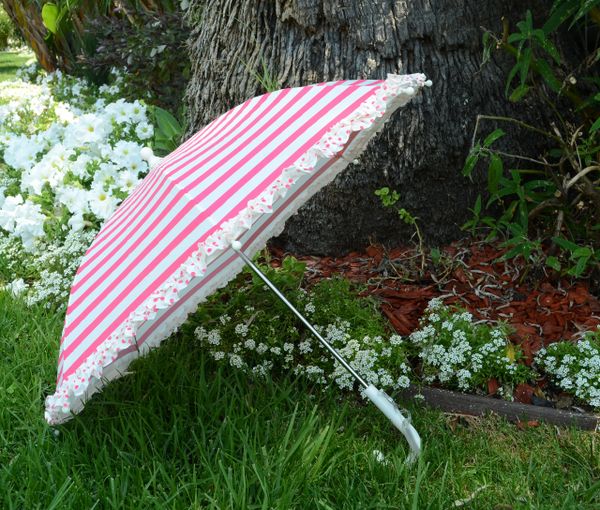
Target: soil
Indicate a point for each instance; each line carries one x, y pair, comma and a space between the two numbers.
540, 306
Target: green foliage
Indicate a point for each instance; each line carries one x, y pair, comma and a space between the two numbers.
575, 367
550, 205
151, 49
389, 198
457, 352
168, 131
8, 32
264, 77
182, 431
248, 327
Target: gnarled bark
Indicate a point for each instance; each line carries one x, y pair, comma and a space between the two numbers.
421, 151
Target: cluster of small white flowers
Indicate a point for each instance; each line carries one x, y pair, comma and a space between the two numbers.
55, 262
575, 367
452, 351
372, 356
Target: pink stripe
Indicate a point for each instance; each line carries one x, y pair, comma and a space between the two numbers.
120, 215
169, 271
206, 134
160, 203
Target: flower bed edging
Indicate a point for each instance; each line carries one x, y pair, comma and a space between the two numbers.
453, 402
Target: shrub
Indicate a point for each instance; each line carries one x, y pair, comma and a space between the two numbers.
7, 30
69, 154
152, 51
246, 326
550, 203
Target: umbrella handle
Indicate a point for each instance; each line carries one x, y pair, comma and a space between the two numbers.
387, 406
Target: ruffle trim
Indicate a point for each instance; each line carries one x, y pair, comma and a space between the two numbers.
109, 361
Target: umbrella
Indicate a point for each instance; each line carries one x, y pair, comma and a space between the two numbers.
190, 226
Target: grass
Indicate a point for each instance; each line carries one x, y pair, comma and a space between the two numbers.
181, 432
10, 61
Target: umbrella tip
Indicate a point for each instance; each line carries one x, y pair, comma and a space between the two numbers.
236, 245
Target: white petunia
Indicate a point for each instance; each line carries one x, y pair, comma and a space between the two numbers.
101, 203
144, 130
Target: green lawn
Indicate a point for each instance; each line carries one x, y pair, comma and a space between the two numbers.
10, 61
181, 432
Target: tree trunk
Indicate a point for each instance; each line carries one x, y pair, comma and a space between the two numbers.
421, 151
27, 18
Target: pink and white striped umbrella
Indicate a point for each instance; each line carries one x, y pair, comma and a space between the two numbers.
168, 246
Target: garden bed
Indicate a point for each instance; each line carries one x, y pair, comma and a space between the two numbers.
540, 310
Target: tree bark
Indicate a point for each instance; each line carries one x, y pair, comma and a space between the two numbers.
421, 151
27, 18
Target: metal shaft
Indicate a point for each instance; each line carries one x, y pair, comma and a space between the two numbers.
324, 342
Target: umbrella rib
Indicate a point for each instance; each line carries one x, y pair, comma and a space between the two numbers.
237, 248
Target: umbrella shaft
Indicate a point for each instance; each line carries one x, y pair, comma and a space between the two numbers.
324, 342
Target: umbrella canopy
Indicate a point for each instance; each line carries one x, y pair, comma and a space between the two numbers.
168, 246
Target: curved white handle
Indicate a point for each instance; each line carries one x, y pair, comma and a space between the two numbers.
388, 407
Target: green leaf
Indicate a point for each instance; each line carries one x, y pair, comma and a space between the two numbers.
584, 251
579, 267
515, 37
595, 125
565, 244
525, 58
493, 136
561, 11
495, 171
488, 45
470, 163
50, 17
543, 68
511, 75
477, 206
553, 262
168, 125
519, 93
547, 44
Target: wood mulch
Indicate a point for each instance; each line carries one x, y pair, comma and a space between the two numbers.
541, 308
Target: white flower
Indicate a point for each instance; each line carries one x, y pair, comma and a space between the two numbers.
21, 152
8, 211
76, 222
144, 130
241, 330
74, 199
87, 129
16, 287
127, 180
101, 202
